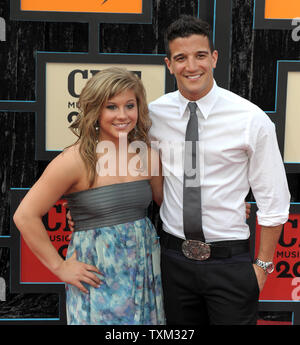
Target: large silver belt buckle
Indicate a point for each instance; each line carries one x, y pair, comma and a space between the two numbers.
196, 250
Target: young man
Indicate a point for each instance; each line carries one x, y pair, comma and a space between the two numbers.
237, 150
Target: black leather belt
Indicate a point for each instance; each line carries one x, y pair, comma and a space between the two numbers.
214, 250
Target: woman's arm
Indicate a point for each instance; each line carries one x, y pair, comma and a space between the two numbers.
61, 175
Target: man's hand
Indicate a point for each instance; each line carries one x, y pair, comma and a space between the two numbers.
71, 224
261, 276
248, 209
70, 221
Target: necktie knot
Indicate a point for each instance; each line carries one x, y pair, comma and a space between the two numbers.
192, 106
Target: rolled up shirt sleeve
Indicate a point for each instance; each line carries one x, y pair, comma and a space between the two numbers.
267, 175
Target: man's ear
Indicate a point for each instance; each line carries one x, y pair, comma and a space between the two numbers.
215, 55
169, 65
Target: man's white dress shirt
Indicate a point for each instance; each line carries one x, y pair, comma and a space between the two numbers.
238, 150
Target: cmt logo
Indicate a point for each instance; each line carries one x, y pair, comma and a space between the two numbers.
2, 290
2, 30
296, 31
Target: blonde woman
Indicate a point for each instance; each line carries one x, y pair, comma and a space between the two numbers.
112, 268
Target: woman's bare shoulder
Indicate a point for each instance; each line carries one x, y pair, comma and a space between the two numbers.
71, 156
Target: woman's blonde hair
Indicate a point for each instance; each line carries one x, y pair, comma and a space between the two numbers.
98, 90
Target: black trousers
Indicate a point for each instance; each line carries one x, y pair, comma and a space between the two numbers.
211, 292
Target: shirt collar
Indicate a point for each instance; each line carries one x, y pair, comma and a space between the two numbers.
205, 103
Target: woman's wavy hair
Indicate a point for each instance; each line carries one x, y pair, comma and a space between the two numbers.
98, 90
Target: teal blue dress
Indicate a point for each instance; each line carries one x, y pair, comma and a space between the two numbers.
113, 233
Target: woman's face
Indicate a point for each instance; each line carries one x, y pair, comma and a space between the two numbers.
119, 116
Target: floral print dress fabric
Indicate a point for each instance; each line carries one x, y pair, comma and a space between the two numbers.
128, 256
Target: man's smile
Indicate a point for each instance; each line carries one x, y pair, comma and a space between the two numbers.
196, 76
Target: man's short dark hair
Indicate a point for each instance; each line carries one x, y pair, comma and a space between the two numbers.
186, 26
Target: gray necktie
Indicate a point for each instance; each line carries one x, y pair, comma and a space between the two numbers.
192, 215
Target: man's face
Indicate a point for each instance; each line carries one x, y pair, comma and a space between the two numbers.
192, 62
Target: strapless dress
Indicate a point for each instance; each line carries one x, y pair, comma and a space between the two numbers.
113, 233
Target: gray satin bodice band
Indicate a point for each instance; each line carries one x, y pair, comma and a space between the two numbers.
109, 205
